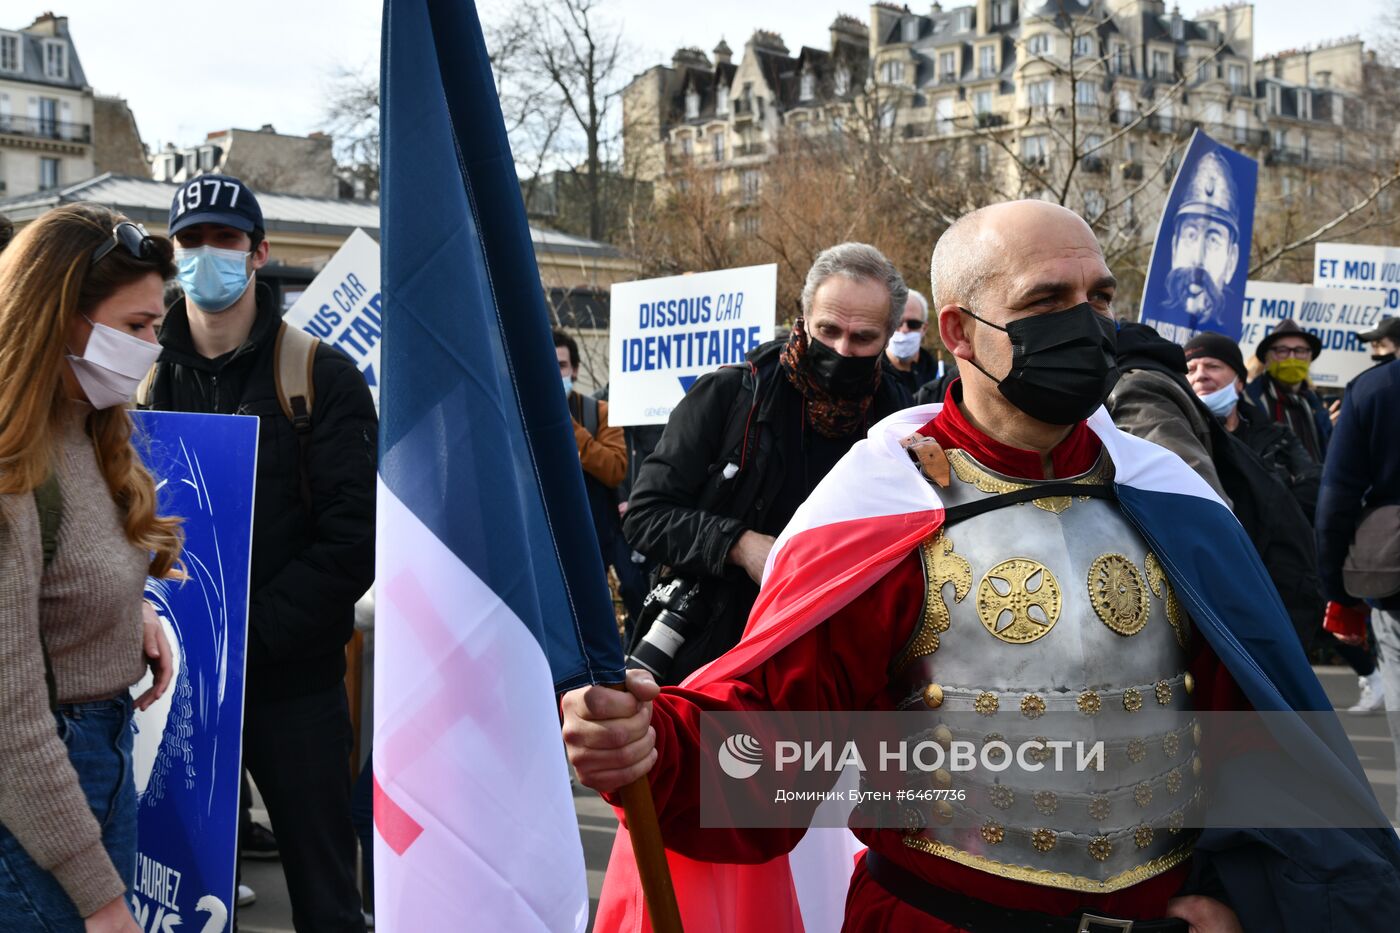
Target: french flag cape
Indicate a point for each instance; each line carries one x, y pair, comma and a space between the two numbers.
870, 511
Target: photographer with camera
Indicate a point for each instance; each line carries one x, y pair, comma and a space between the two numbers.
746, 446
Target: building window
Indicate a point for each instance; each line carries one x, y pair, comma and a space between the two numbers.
717, 145
1125, 107
887, 115
48, 173
837, 125
1304, 104
1214, 112
986, 61
1085, 94
891, 72
1280, 139
1161, 64
1272, 93
1093, 204
692, 105
809, 86
982, 102
911, 29
1001, 12
1338, 109
1236, 78
1204, 71
842, 82
964, 20
1033, 149
687, 146
1038, 93
749, 224
1241, 125
1083, 46
56, 60
943, 115
981, 158
1092, 144
48, 116
1341, 153
750, 181
10, 51
1122, 60
1038, 44
718, 183
948, 66
722, 101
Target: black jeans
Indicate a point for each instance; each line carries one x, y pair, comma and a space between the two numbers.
298, 752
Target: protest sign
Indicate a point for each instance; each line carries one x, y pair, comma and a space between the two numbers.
343, 307
187, 760
1200, 260
666, 333
1345, 265
1335, 315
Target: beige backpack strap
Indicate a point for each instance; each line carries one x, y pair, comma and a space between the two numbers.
292, 357
147, 384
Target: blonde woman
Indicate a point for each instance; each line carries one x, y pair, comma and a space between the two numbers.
80, 296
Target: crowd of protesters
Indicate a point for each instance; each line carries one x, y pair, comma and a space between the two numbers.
686, 517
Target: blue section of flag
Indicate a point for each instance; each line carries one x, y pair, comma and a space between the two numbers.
476, 438
687, 382
1200, 260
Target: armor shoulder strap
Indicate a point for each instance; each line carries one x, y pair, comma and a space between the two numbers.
961, 513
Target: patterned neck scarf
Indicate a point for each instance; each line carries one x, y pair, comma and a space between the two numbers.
829, 415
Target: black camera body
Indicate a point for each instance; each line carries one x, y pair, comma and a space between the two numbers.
673, 612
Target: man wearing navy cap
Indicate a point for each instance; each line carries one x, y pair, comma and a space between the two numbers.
313, 531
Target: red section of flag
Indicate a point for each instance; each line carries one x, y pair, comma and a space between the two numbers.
393, 822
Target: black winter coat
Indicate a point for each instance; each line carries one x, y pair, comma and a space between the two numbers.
684, 513
308, 569
1282, 452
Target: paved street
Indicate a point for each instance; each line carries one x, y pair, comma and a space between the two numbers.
271, 914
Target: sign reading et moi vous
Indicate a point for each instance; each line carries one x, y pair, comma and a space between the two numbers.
1335, 315
666, 333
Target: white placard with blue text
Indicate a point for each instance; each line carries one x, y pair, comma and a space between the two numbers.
666, 333
342, 306
1346, 265
1335, 315
186, 758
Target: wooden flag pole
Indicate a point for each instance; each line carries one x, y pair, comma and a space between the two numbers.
650, 854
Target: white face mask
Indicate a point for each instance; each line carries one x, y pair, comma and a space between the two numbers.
112, 365
905, 345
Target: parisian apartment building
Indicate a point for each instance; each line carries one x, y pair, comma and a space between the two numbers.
1014, 92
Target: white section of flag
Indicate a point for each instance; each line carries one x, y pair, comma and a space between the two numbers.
467, 745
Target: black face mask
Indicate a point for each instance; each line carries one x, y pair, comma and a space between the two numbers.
844, 377
1382, 357
1063, 364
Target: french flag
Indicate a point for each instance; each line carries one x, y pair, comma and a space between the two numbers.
870, 511
490, 589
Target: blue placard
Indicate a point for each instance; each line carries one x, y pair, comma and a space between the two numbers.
1200, 260
188, 755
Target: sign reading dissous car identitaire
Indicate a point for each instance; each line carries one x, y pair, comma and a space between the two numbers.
343, 307
1335, 315
666, 333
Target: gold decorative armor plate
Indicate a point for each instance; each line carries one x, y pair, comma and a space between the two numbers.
1162, 588
1118, 594
1008, 594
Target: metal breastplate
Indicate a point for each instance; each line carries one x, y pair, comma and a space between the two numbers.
1055, 605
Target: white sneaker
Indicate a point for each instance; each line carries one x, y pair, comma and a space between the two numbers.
1372, 694
246, 895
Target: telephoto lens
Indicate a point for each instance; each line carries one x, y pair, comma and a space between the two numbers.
668, 618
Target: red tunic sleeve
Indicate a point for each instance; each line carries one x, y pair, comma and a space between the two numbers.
839, 665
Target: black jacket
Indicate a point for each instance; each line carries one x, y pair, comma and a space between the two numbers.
1362, 472
684, 513
308, 570
1282, 452
1264, 506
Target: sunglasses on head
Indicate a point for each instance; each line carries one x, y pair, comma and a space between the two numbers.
130, 237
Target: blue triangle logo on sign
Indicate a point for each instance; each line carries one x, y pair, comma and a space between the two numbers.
369, 376
687, 382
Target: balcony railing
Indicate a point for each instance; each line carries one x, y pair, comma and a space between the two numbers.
42, 128
1092, 164
752, 149
985, 120
1132, 171
1286, 155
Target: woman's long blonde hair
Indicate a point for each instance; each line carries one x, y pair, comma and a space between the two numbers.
46, 280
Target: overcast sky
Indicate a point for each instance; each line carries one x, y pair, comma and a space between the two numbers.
187, 69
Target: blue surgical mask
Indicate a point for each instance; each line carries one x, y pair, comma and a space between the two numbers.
213, 278
568, 384
1222, 401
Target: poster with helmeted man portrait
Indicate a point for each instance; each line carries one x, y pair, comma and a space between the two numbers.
1200, 260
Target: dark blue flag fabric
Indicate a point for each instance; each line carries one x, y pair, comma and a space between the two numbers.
490, 590
1200, 260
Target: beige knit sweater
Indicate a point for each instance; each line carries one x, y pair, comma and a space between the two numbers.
88, 606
